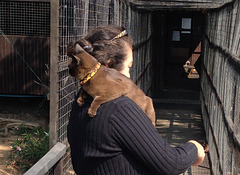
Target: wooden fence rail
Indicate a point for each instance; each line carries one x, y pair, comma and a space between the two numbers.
48, 161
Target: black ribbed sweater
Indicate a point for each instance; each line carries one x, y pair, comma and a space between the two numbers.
121, 140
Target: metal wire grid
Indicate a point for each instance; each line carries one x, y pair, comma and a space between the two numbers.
220, 89
66, 84
71, 28
98, 13
72, 25
76, 18
25, 18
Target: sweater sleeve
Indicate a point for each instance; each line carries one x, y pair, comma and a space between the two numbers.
136, 135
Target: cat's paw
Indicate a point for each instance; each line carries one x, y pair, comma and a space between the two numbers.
91, 112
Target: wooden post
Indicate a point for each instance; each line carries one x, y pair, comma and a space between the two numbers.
85, 24
48, 160
54, 52
116, 18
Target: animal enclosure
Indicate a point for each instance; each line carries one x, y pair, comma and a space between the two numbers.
34, 35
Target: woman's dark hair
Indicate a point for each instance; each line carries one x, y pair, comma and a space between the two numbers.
108, 51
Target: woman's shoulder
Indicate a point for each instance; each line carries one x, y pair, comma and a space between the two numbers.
117, 104
121, 105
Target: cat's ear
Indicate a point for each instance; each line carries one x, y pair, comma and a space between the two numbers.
78, 48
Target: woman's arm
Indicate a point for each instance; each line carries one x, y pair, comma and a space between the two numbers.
136, 134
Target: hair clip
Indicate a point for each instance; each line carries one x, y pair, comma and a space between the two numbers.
86, 47
123, 33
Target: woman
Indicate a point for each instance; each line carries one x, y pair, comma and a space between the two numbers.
121, 139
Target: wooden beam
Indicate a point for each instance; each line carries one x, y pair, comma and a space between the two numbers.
54, 52
177, 4
34, 0
48, 160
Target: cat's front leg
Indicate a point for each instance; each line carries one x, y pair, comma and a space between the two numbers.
97, 101
82, 96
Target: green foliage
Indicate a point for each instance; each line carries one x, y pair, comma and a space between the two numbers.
29, 147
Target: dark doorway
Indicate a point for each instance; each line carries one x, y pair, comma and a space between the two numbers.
177, 39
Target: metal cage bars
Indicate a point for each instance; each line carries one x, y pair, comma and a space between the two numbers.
71, 20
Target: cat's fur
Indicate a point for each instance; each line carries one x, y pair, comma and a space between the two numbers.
107, 84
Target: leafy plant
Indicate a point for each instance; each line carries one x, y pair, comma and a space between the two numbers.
29, 147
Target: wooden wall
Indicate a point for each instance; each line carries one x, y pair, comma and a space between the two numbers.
220, 88
141, 32
24, 65
24, 47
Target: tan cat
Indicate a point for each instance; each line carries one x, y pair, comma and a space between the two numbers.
102, 83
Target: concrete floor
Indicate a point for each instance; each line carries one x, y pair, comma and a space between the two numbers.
178, 121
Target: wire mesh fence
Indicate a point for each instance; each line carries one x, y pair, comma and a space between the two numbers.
75, 19
220, 88
24, 25
25, 18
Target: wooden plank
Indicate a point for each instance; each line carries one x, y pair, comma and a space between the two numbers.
236, 34
23, 64
54, 73
54, 86
177, 4
48, 160
34, 0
